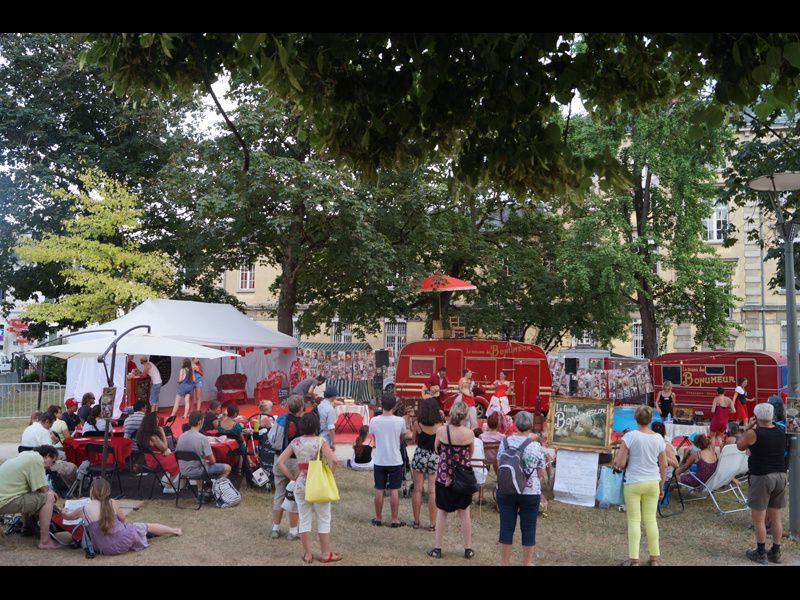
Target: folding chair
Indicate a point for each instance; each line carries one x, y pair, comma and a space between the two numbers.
22, 449
158, 472
95, 469
669, 486
731, 463
186, 456
247, 470
481, 463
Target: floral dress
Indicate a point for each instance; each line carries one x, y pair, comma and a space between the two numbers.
448, 499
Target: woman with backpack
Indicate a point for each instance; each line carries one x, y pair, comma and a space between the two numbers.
521, 465
454, 443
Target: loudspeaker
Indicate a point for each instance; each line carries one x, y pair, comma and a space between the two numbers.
571, 366
573, 386
381, 358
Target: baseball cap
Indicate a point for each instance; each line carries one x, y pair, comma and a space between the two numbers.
330, 391
71, 402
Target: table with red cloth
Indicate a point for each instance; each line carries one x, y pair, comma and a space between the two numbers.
75, 449
113, 432
221, 450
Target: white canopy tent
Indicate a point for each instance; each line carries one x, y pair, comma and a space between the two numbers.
212, 325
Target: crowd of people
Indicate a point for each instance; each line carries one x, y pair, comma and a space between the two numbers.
446, 446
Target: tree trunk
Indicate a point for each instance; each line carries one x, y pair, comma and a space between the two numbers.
647, 312
290, 268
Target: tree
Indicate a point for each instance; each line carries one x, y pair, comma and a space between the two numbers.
56, 121
658, 226
486, 101
99, 255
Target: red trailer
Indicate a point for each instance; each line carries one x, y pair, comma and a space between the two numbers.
525, 366
695, 376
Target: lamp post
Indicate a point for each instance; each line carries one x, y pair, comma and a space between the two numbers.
787, 230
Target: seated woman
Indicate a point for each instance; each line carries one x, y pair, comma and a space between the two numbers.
672, 458
705, 459
93, 421
492, 434
732, 435
362, 451
107, 527
152, 436
232, 428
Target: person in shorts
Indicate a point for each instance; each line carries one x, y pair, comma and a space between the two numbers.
194, 441
151, 371
23, 489
767, 494
388, 430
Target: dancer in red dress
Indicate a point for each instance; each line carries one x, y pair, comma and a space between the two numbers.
740, 401
721, 414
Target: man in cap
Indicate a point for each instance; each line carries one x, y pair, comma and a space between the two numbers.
327, 418
71, 417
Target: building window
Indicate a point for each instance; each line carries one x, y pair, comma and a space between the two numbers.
585, 340
394, 335
716, 226
340, 333
784, 340
728, 309
638, 340
247, 278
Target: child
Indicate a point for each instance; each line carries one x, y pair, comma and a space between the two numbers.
362, 451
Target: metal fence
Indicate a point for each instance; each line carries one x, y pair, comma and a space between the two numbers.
20, 399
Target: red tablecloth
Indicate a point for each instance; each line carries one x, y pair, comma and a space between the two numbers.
75, 449
115, 432
221, 450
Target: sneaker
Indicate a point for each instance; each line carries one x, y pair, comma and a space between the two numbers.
756, 556
275, 534
292, 536
774, 557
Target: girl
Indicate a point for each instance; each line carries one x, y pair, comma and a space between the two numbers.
107, 527
720, 415
499, 402
740, 401
185, 388
666, 401
425, 460
197, 368
151, 435
362, 451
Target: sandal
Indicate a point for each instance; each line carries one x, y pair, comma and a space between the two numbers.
432, 528
414, 524
435, 553
308, 559
332, 557
469, 553
376, 522
396, 525
630, 562
655, 561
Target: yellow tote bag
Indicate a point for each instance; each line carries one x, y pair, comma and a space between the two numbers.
320, 484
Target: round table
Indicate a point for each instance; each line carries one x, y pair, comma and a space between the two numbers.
222, 449
75, 449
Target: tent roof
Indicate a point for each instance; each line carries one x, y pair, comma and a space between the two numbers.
335, 347
135, 343
199, 323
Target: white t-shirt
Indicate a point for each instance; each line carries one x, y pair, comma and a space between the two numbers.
36, 435
478, 454
387, 431
643, 451
152, 372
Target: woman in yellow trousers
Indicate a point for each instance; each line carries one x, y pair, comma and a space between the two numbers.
642, 455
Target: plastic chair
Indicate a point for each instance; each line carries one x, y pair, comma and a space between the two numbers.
158, 471
96, 469
186, 456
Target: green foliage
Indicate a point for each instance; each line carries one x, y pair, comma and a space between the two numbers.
99, 255
55, 370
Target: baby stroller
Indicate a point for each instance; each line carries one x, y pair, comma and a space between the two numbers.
407, 488
266, 459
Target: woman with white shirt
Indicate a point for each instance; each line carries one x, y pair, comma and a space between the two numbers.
642, 455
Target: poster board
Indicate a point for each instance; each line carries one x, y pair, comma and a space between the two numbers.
107, 402
580, 423
576, 477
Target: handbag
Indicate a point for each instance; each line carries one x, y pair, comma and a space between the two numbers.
320, 484
464, 481
610, 486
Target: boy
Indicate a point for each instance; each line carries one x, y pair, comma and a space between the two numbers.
388, 431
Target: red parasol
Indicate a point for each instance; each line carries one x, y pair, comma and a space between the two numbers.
445, 283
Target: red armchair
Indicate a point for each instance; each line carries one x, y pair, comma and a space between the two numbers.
231, 387
269, 387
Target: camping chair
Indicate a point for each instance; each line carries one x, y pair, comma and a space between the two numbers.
671, 485
186, 456
95, 469
481, 463
731, 463
158, 472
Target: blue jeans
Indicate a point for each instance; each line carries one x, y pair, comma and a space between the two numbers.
155, 389
527, 506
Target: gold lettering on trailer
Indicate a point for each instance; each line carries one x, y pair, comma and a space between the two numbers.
690, 379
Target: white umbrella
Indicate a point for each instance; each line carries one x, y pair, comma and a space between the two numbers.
134, 343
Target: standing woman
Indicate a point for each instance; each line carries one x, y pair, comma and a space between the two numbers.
643, 451
465, 385
197, 368
526, 504
666, 400
185, 388
425, 460
454, 443
720, 415
305, 448
740, 401
499, 402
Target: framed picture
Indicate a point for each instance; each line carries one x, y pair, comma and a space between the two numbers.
580, 423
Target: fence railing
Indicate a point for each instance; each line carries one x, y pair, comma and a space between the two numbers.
20, 399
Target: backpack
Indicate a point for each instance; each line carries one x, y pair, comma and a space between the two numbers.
225, 494
283, 432
511, 476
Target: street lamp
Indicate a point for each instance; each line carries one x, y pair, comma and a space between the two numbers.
787, 231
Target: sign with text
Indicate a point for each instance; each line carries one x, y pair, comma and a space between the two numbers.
576, 477
581, 423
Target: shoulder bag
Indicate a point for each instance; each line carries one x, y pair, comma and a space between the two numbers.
464, 481
320, 484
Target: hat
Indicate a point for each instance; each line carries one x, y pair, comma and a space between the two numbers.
330, 391
71, 402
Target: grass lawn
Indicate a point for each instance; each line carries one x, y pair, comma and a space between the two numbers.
11, 430
570, 535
